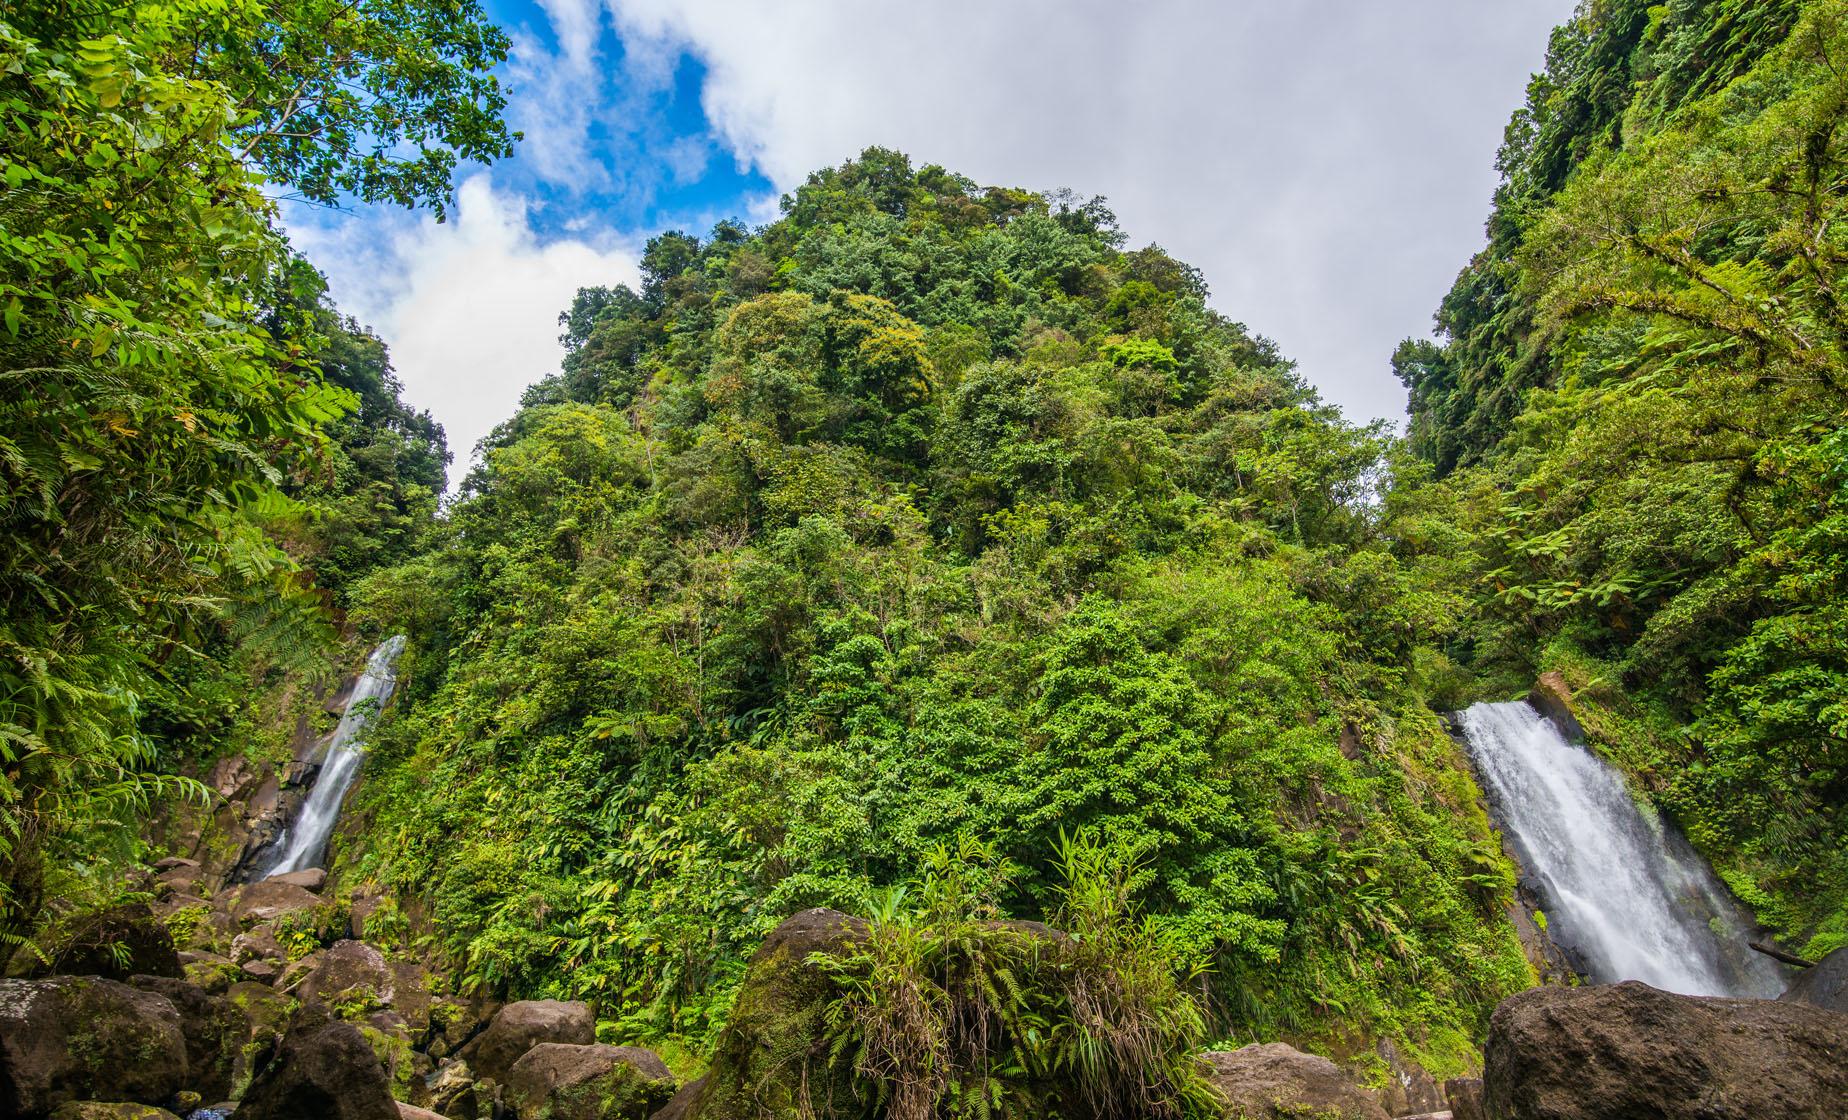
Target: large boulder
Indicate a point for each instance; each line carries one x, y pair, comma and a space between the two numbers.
266, 1014
1629, 1050
680, 1105
1824, 984
560, 1081
116, 943
270, 899
1273, 1081
308, 879
348, 973
74, 1038
1465, 1097
325, 1070
518, 1027
772, 1055
215, 1031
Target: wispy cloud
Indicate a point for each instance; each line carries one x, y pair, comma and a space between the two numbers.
469, 307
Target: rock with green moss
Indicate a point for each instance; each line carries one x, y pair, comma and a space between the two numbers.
266, 1015
109, 1110
324, 1070
561, 1081
209, 970
771, 1059
77, 1038
518, 1027
116, 943
1274, 1081
214, 1028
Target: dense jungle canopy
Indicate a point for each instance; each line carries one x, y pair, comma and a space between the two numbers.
928, 518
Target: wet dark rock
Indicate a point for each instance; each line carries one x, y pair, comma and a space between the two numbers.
560, 1081
324, 1070
1465, 1097
1629, 1050
82, 1037
116, 943
350, 972
1274, 1081
1824, 984
683, 1102
518, 1027
214, 1028
1551, 696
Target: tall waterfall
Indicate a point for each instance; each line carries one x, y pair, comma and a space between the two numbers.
303, 842
1626, 894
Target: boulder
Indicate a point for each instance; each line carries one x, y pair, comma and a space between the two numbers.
214, 1028
324, 1070
1274, 1081
266, 1016
270, 899
73, 1038
116, 943
412, 1112
1630, 1050
681, 1105
453, 1093
109, 1110
308, 879
1409, 1089
261, 970
1465, 1097
209, 970
562, 1081
1823, 984
350, 972
518, 1027
259, 944
772, 1056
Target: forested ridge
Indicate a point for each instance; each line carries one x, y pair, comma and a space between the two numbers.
931, 553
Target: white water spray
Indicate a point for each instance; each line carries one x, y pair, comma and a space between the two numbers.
301, 844
1624, 893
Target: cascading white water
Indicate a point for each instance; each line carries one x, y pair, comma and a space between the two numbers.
302, 843
1620, 890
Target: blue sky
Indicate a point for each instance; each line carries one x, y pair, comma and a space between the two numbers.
1327, 163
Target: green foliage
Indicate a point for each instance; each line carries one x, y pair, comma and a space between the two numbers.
946, 1010
164, 411
928, 511
1657, 515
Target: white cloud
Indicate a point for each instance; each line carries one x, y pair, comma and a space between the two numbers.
1328, 164
469, 307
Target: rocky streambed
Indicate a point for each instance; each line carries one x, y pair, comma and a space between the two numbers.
272, 1004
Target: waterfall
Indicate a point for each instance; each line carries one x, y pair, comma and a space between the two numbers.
302, 843
1623, 892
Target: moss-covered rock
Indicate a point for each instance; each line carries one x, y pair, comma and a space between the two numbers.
214, 1028
518, 1027
266, 1016
116, 943
559, 1081
109, 1110
1275, 1081
76, 1038
771, 1059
